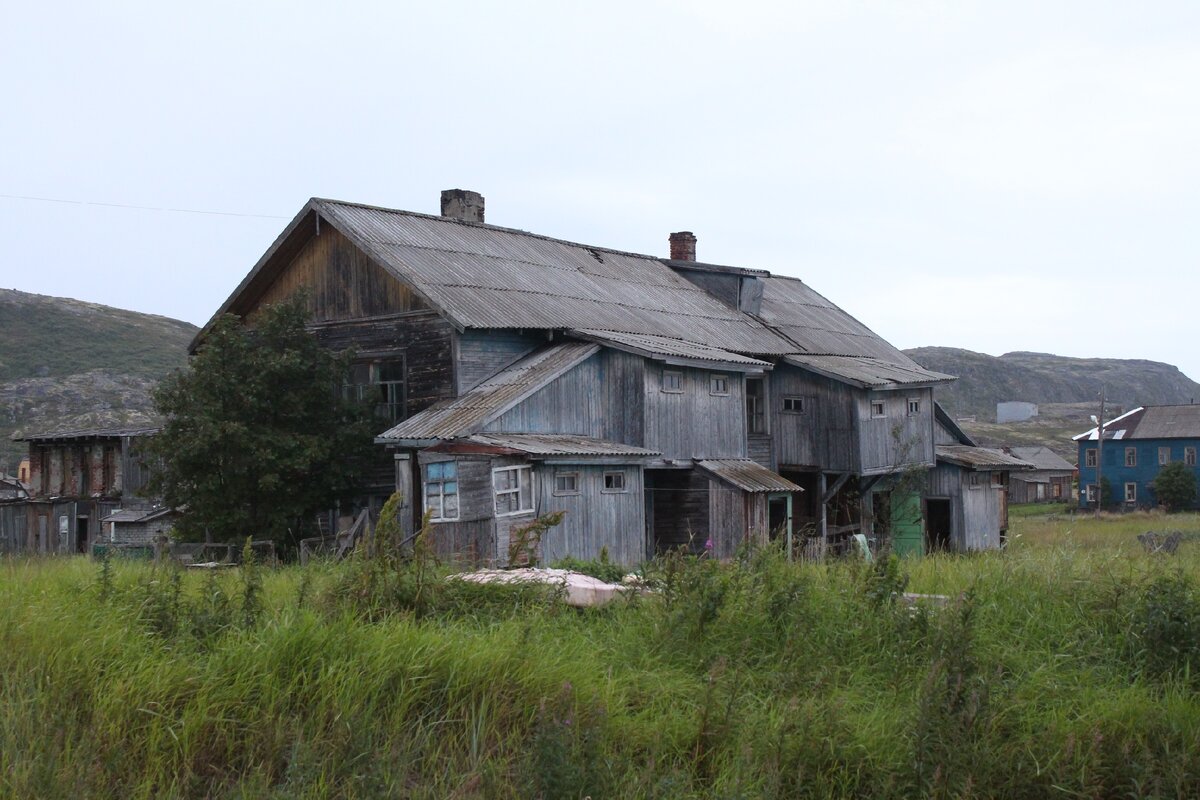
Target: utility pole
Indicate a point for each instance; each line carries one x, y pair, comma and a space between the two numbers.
1100, 454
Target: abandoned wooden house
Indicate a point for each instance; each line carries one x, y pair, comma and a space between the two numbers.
658, 401
1050, 481
966, 502
77, 479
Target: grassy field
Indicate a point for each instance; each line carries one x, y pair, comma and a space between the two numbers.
1062, 667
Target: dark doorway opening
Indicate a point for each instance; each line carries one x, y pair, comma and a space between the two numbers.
81, 534
937, 520
676, 510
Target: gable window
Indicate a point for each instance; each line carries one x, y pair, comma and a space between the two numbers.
1131, 493
1131, 456
441, 490
513, 488
1164, 456
914, 406
672, 381
796, 405
877, 409
756, 405
1189, 456
718, 384
614, 481
1089, 457
381, 383
566, 483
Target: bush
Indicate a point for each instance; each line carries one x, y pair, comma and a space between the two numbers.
1175, 486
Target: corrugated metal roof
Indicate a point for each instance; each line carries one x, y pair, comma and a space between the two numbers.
747, 475
1116, 428
451, 419
560, 445
86, 433
665, 347
1165, 422
979, 457
817, 326
482, 276
1042, 458
137, 514
868, 372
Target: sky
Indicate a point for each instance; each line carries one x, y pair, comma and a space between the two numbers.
992, 176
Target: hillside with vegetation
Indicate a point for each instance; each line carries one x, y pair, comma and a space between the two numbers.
1065, 389
66, 363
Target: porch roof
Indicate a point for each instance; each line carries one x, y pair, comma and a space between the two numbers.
747, 475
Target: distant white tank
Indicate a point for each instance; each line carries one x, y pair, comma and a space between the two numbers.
1015, 411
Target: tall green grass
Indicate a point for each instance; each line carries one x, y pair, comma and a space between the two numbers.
1063, 666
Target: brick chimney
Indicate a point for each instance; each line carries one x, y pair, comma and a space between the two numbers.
462, 204
683, 246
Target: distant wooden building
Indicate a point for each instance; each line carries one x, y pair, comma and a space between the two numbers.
77, 478
1050, 480
660, 402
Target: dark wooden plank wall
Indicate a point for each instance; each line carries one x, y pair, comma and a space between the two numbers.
14, 528
679, 509
595, 520
695, 423
895, 440
728, 518
343, 282
481, 354
974, 512
824, 436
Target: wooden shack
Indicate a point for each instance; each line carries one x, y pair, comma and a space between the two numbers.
1050, 481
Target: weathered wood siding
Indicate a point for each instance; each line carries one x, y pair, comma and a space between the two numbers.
678, 506
897, 439
481, 354
595, 520
423, 338
695, 423
14, 528
602, 397
735, 518
975, 513
825, 434
472, 537
343, 282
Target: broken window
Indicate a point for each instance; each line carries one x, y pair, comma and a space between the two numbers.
877, 409
756, 405
441, 490
1131, 493
614, 481
513, 488
380, 382
1164, 456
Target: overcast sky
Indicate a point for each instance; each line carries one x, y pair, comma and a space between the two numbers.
994, 176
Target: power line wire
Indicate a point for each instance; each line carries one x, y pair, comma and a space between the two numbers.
138, 208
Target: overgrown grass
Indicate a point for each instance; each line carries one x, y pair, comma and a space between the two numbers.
1063, 666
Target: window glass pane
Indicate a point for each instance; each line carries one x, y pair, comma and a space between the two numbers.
391, 371
434, 471
450, 506
525, 476
450, 487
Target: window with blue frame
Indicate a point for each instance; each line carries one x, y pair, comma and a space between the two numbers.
441, 490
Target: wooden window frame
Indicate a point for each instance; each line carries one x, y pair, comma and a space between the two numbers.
914, 406
676, 373
757, 419
1089, 457
1130, 489
574, 474
800, 404
391, 402
1164, 456
1091, 492
975, 480
440, 483
713, 387
1189, 456
614, 473
1131, 456
882, 409
523, 497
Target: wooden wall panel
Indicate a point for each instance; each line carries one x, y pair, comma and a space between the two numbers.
595, 520
824, 436
695, 423
897, 439
481, 354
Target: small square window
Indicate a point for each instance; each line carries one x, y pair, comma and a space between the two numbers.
1089, 457
998, 479
914, 406
566, 483
672, 381
1131, 456
1164, 456
718, 384
1189, 456
1131, 493
614, 481
795, 405
877, 409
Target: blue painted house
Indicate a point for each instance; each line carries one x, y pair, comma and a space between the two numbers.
1136, 446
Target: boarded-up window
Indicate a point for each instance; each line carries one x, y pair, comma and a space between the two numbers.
877, 409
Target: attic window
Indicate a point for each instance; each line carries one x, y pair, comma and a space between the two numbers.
877, 409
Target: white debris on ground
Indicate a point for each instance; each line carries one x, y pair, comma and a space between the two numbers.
579, 590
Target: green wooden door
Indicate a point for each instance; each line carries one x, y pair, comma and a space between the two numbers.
908, 528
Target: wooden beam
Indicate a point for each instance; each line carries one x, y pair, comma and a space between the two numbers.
828, 495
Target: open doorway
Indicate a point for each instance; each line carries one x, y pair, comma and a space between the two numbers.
937, 523
81, 534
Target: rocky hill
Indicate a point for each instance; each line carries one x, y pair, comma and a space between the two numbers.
66, 363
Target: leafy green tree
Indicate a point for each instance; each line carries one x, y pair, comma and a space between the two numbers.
1175, 486
258, 437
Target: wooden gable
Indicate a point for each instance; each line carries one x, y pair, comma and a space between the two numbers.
343, 281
